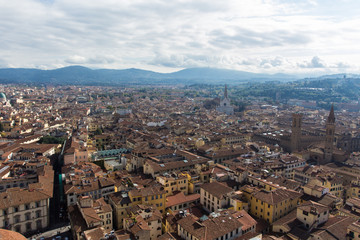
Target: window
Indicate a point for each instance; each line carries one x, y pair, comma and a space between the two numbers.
18, 228
38, 224
28, 226
17, 218
16, 209
27, 216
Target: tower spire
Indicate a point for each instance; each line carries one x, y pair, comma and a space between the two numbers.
225, 92
331, 117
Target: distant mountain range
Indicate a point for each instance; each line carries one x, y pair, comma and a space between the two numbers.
78, 75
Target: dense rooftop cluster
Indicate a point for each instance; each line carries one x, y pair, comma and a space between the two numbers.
153, 163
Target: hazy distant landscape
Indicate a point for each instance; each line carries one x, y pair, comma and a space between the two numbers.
78, 75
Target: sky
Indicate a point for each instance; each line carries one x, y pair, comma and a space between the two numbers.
264, 36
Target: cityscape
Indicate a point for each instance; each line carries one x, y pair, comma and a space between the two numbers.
193, 120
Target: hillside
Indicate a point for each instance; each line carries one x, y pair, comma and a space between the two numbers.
79, 75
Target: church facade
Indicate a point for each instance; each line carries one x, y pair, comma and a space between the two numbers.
225, 105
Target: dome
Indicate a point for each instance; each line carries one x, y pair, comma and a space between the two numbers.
11, 235
2, 97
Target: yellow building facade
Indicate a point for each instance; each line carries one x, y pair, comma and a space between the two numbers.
271, 205
174, 183
146, 196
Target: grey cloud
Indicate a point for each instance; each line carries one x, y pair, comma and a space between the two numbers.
163, 33
92, 60
3, 63
248, 38
315, 62
341, 65
275, 62
186, 60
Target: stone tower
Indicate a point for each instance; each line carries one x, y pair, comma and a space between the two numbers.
330, 135
296, 132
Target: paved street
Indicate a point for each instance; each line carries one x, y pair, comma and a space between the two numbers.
63, 231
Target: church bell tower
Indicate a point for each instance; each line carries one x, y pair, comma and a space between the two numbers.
330, 136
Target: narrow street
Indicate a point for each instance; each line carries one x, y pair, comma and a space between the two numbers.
59, 222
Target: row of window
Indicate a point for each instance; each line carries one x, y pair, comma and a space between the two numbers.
17, 218
20, 208
28, 226
21, 185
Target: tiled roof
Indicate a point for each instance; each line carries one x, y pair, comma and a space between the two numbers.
217, 189
181, 198
276, 196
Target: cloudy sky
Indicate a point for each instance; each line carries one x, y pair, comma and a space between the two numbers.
289, 36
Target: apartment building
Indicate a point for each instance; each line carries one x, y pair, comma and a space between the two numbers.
215, 196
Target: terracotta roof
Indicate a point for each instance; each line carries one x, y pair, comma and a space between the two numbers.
355, 227
311, 206
167, 236
120, 198
180, 198
217, 225
276, 196
78, 224
288, 221
16, 196
95, 234
217, 189
11, 235
334, 228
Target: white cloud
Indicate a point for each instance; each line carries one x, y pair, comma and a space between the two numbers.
253, 35
315, 62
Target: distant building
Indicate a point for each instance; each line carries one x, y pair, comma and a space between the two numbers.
225, 105
2, 97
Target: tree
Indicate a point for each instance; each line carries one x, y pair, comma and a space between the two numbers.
98, 131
